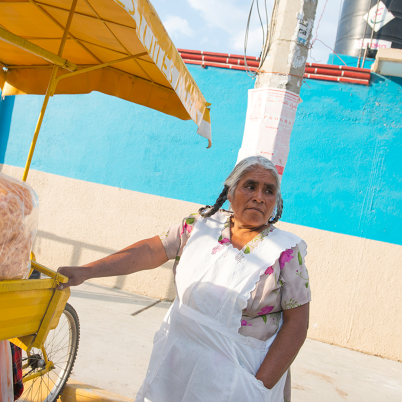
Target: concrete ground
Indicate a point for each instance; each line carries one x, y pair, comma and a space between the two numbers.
117, 329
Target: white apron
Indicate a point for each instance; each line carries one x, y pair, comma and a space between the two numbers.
198, 353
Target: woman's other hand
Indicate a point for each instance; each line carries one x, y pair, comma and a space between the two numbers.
286, 345
75, 276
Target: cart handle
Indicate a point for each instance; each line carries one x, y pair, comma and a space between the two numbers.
49, 272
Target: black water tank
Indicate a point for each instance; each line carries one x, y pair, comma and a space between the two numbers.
352, 25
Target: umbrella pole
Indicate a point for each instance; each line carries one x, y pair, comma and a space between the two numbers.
50, 90
39, 123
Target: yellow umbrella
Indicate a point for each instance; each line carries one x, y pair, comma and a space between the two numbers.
118, 47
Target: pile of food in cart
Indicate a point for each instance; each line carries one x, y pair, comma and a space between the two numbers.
18, 223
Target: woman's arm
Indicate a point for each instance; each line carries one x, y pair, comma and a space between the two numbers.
145, 254
286, 345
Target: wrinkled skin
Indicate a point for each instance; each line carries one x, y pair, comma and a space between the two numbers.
253, 203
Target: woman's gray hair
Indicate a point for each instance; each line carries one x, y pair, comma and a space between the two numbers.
235, 176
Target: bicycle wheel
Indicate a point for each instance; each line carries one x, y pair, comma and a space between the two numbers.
61, 348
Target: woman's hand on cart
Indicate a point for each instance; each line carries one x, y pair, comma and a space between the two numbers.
75, 275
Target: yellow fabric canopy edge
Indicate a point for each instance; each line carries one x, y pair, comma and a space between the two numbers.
184, 100
153, 36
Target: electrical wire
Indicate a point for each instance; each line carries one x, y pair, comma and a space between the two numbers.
330, 48
265, 38
268, 41
262, 25
318, 24
266, 15
316, 36
248, 71
266, 34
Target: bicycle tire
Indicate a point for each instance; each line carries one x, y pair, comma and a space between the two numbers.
48, 387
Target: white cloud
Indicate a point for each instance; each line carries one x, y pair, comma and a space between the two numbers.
176, 26
231, 16
223, 14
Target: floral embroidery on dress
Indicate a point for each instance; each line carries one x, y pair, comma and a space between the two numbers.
187, 226
276, 317
265, 310
217, 248
224, 240
280, 284
285, 257
164, 235
301, 276
252, 244
292, 304
264, 313
244, 323
299, 258
267, 318
269, 271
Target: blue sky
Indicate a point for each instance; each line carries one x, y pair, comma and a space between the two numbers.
220, 25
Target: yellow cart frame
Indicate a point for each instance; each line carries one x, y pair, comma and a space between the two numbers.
29, 309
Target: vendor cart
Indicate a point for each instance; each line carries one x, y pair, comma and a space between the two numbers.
50, 47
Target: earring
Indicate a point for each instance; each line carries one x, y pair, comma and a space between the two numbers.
272, 217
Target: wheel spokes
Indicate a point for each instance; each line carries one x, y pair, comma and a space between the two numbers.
61, 347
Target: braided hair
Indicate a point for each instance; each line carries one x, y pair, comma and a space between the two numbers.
209, 211
233, 179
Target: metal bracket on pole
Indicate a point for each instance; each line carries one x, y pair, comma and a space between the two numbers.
92, 68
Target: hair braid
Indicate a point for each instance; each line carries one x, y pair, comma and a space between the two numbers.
279, 211
218, 204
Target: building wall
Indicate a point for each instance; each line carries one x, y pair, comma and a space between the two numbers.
109, 173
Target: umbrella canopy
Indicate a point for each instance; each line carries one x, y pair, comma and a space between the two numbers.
118, 47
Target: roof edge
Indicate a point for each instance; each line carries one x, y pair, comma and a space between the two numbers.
326, 72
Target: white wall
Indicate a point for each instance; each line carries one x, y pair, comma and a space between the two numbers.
356, 283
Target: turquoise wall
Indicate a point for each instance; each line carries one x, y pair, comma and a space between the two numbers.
344, 59
344, 172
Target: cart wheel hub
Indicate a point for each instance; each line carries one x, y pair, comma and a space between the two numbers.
36, 362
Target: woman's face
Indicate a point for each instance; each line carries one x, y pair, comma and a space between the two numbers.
254, 198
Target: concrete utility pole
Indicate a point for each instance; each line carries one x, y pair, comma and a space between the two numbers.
292, 32
272, 105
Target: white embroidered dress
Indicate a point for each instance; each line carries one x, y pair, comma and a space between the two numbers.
198, 353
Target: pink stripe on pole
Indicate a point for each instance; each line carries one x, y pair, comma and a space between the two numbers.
280, 169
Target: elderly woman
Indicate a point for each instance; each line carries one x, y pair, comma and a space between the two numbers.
242, 306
